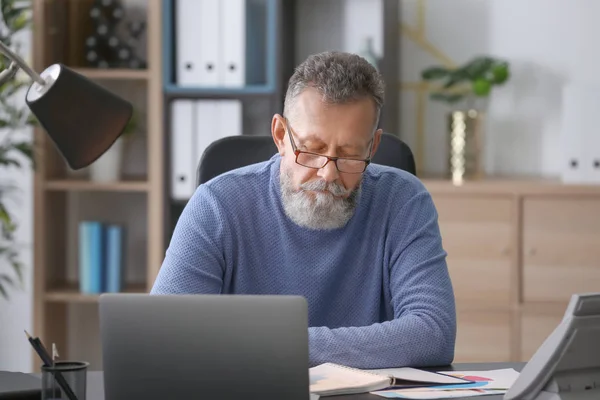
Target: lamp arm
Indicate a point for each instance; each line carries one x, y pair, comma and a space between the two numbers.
21, 64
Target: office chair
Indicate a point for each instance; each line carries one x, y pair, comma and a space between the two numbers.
233, 152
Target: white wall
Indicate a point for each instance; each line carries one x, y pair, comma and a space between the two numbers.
337, 25
16, 315
548, 43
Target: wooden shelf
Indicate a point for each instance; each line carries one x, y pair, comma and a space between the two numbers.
136, 202
71, 294
85, 185
113, 73
248, 91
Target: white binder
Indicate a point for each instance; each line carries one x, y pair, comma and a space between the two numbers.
206, 127
592, 140
213, 120
230, 117
207, 42
579, 139
188, 53
182, 152
232, 30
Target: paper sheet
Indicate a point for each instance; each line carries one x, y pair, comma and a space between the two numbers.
485, 383
448, 394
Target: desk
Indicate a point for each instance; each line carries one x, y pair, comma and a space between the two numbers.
95, 388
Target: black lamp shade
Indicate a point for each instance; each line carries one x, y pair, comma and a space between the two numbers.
81, 117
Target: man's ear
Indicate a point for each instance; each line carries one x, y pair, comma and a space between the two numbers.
278, 133
376, 141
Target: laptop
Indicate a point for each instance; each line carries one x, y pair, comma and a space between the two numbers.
158, 347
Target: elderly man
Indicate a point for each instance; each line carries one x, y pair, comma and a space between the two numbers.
359, 241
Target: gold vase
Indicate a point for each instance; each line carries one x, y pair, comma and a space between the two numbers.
465, 146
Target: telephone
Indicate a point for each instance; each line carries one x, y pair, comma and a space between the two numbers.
567, 365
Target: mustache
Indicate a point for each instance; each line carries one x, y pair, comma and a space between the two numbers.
334, 188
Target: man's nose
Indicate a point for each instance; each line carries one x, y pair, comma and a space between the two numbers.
329, 172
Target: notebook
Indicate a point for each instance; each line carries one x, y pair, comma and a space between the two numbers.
331, 379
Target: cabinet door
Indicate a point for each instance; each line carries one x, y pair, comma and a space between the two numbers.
476, 233
561, 238
483, 336
537, 323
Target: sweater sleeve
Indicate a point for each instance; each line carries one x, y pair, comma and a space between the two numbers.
423, 330
194, 262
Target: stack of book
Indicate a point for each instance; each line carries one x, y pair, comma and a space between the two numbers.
101, 248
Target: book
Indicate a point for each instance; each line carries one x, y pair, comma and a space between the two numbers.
331, 379
483, 383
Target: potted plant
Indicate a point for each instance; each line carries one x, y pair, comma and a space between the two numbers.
466, 90
15, 152
108, 167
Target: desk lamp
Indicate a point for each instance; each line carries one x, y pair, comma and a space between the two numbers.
81, 117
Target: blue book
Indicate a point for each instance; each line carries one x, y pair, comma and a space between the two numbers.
114, 258
83, 258
91, 257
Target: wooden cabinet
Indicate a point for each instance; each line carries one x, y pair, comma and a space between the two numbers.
476, 232
517, 251
482, 336
561, 248
536, 324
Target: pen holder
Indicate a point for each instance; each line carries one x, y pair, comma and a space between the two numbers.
64, 380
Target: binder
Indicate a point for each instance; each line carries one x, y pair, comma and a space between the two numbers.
208, 22
592, 139
210, 43
195, 124
188, 53
232, 31
215, 119
206, 124
182, 152
581, 105
230, 117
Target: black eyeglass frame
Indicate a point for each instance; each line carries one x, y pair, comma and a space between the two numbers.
297, 152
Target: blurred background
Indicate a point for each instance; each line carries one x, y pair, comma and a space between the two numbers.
497, 100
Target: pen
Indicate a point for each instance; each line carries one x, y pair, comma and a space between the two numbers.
39, 348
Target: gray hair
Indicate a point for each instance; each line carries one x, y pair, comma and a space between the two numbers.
339, 77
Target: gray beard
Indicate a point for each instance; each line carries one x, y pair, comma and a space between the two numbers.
317, 210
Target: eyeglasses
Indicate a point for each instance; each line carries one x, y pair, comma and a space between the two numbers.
318, 161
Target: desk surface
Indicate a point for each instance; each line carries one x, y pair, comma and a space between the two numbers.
95, 387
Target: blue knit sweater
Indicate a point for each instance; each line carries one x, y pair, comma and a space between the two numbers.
378, 290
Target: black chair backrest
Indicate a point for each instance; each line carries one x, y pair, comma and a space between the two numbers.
233, 152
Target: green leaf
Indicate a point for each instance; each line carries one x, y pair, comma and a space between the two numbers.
19, 23
12, 87
459, 75
10, 162
3, 292
6, 223
25, 148
433, 73
7, 279
31, 119
449, 98
479, 67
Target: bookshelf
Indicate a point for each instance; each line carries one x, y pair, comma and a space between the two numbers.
62, 198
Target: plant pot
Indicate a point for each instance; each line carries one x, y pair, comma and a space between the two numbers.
108, 167
465, 145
